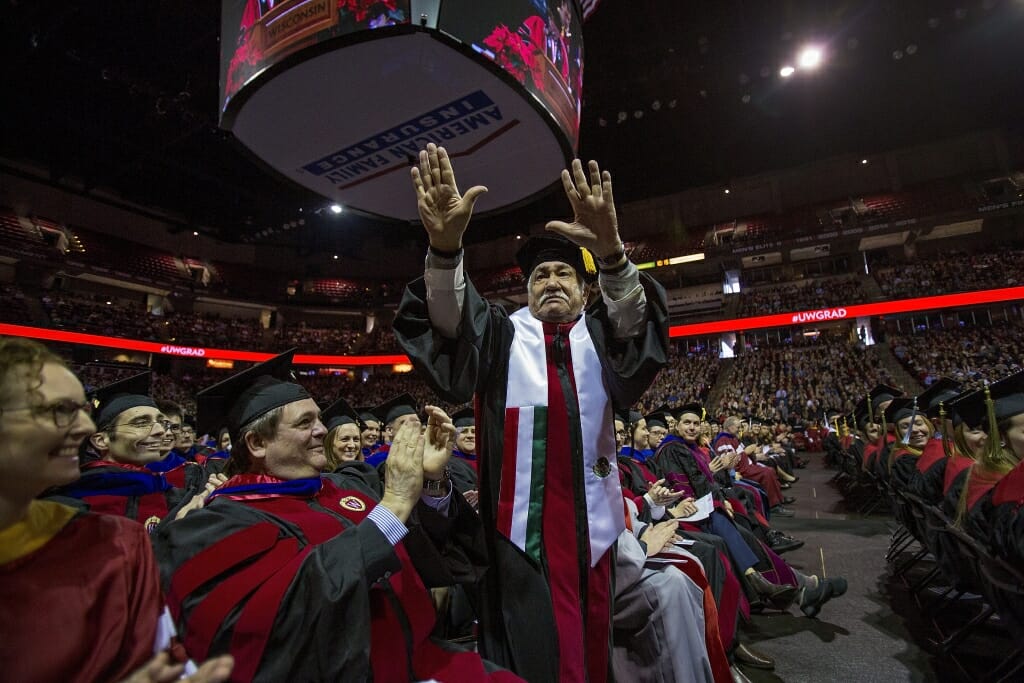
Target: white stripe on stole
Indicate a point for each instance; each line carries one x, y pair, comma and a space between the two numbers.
604, 495
524, 472
528, 387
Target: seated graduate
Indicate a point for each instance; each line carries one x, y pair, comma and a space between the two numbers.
1003, 403
179, 463
876, 455
369, 434
926, 482
1007, 515
343, 442
309, 576
80, 591
766, 576
463, 463
393, 413
129, 436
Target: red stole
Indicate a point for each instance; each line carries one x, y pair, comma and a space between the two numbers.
979, 482
932, 453
1011, 488
954, 467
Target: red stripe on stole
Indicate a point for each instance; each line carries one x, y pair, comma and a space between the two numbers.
559, 524
507, 492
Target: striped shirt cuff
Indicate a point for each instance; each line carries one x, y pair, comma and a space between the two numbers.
388, 523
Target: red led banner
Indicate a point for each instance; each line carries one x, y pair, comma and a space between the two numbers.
987, 296
924, 303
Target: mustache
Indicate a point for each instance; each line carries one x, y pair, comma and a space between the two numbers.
554, 295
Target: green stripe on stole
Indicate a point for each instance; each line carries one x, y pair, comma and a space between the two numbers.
539, 450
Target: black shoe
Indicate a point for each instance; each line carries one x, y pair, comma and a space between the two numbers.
788, 500
812, 598
751, 657
780, 511
838, 586
781, 543
778, 596
785, 485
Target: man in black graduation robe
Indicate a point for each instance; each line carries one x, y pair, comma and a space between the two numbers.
544, 380
310, 577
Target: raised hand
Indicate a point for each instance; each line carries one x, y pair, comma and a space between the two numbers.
445, 213
594, 225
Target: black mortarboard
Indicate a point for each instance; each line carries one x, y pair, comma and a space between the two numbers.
394, 408
110, 401
464, 417
695, 408
247, 395
968, 408
882, 393
340, 413
1008, 394
656, 419
899, 409
940, 391
366, 414
544, 248
860, 413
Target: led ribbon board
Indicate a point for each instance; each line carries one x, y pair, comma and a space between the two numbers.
851, 312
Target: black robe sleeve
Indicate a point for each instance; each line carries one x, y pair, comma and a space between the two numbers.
1008, 532
453, 368
675, 457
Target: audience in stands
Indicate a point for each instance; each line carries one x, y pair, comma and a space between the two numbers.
952, 272
969, 355
801, 296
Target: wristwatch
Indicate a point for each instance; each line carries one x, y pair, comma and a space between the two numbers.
438, 488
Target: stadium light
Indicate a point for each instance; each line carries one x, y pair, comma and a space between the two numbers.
336, 208
810, 58
786, 71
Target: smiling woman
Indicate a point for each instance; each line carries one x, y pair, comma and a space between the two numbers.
89, 577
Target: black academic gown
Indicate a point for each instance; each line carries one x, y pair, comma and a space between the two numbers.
517, 621
302, 587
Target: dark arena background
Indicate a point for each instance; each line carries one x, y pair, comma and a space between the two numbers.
830, 192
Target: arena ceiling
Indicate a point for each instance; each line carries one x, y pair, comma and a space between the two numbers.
120, 98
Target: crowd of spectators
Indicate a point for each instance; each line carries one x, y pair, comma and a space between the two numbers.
15, 309
313, 339
952, 272
801, 296
102, 315
795, 383
689, 377
968, 354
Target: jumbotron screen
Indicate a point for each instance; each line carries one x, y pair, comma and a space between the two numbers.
265, 31
538, 42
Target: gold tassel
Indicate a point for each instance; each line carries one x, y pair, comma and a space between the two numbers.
588, 261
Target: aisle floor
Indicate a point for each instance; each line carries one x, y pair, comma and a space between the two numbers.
872, 633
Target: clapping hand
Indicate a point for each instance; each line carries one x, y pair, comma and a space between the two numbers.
686, 508
438, 447
662, 495
659, 536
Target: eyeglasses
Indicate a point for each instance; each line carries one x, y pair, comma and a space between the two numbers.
64, 412
145, 424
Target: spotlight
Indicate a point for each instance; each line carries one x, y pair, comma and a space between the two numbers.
786, 71
519, 237
622, 116
195, 233
863, 162
810, 58
656, 105
336, 208
638, 114
726, 190
335, 257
